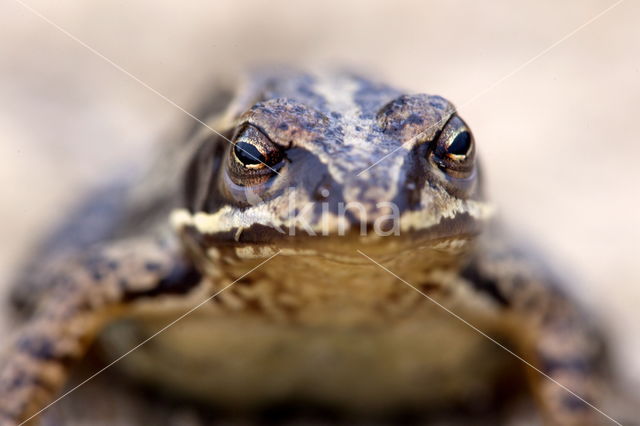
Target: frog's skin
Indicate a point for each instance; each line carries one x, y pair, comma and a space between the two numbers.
318, 321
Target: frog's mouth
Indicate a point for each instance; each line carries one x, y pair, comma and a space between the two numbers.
450, 235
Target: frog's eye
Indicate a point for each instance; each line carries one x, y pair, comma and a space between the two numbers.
249, 155
254, 150
455, 148
253, 156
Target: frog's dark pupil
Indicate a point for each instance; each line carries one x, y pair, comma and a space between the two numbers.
248, 154
460, 145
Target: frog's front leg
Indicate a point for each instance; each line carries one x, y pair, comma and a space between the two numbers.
87, 290
552, 335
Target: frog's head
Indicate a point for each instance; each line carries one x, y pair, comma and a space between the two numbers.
331, 163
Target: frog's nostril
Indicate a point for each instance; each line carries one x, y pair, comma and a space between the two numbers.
322, 191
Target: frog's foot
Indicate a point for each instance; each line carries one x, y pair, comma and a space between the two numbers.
563, 350
35, 368
87, 291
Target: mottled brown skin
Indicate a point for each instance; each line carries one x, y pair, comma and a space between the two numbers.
317, 134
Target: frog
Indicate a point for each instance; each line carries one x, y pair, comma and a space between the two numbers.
318, 236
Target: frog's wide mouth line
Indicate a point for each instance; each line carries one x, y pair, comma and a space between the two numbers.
450, 235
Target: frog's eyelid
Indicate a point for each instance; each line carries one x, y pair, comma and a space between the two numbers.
453, 116
438, 133
246, 123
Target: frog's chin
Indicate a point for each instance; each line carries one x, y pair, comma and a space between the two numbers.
361, 251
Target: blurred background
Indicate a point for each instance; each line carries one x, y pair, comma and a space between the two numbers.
558, 135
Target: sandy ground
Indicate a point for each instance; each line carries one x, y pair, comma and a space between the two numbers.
558, 135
